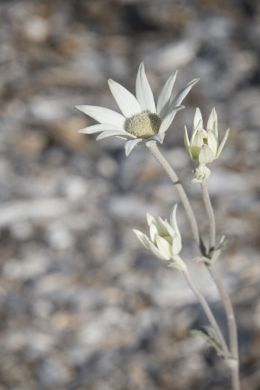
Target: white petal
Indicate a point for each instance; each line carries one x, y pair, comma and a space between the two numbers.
153, 231
165, 93
222, 144
142, 238
157, 252
167, 120
212, 142
144, 93
129, 145
162, 227
111, 133
149, 218
187, 141
126, 100
100, 127
173, 220
176, 245
206, 155
164, 247
169, 228
213, 122
103, 115
184, 92
197, 138
197, 121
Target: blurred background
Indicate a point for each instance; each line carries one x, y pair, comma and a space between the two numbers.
83, 306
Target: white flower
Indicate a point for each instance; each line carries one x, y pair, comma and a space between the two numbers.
141, 118
165, 239
204, 145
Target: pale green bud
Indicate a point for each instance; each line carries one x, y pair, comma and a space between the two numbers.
164, 239
204, 145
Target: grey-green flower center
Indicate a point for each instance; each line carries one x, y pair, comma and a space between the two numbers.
144, 125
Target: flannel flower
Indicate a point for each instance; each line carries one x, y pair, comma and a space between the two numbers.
141, 118
204, 146
164, 239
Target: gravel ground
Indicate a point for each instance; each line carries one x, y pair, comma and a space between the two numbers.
83, 306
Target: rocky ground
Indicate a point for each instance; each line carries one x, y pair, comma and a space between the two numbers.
83, 306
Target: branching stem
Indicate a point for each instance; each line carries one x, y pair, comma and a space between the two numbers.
230, 315
232, 327
207, 311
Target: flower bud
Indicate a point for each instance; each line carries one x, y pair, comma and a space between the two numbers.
204, 145
164, 239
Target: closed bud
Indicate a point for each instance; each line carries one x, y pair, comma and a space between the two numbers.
164, 239
204, 146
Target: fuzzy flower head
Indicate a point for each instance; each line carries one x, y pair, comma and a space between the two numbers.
164, 239
204, 146
201, 174
140, 118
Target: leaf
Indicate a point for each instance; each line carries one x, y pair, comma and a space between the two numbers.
208, 335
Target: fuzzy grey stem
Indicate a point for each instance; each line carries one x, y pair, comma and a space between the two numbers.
210, 212
208, 312
152, 146
226, 301
235, 376
232, 326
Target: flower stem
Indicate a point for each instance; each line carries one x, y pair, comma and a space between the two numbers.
210, 212
152, 146
232, 326
207, 311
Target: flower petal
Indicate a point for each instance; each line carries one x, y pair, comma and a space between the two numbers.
197, 121
162, 227
184, 92
206, 155
213, 122
164, 247
142, 238
153, 231
103, 115
112, 133
99, 127
169, 228
150, 219
173, 220
126, 101
157, 252
144, 93
187, 141
176, 241
176, 245
167, 120
212, 142
222, 144
129, 145
198, 136
166, 92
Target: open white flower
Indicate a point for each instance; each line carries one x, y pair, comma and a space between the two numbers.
204, 145
141, 118
165, 239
